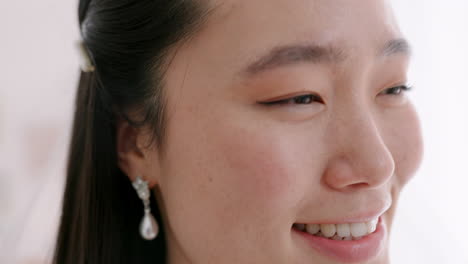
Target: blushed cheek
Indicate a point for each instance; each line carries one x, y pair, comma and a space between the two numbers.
259, 168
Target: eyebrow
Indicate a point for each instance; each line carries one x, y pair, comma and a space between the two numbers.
299, 53
396, 46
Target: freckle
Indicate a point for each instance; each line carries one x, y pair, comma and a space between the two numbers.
210, 179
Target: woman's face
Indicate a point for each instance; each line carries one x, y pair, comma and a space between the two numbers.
237, 174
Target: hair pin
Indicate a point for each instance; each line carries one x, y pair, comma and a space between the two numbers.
85, 60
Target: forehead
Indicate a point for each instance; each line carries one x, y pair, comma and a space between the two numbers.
323, 20
347, 23
239, 31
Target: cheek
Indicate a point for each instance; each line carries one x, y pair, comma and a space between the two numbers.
258, 168
234, 164
230, 177
406, 144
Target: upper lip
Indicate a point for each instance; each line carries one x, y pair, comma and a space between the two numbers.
361, 217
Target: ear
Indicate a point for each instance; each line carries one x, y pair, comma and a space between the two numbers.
134, 157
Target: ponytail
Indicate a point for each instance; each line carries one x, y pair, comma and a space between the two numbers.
102, 206
127, 42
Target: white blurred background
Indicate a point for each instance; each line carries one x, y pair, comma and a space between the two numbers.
38, 77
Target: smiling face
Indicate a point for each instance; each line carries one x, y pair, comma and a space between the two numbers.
240, 171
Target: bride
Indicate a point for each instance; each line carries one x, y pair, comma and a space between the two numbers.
238, 131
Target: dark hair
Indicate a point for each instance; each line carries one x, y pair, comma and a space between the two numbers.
129, 42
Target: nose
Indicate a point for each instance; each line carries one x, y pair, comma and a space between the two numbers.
361, 158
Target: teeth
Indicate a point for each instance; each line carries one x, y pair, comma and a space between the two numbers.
371, 226
313, 229
320, 234
352, 231
337, 237
343, 230
358, 229
328, 230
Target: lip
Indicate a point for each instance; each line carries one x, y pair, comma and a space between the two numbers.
349, 251
362, 218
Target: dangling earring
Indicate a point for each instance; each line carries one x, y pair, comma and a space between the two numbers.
148, 227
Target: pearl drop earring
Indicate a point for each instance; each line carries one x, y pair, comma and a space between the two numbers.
148, 227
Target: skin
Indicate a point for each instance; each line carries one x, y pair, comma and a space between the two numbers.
236, 174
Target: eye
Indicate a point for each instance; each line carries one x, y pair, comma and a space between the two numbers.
304, 99
397, 90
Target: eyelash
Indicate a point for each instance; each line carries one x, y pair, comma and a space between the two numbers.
311, 97
404, 88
